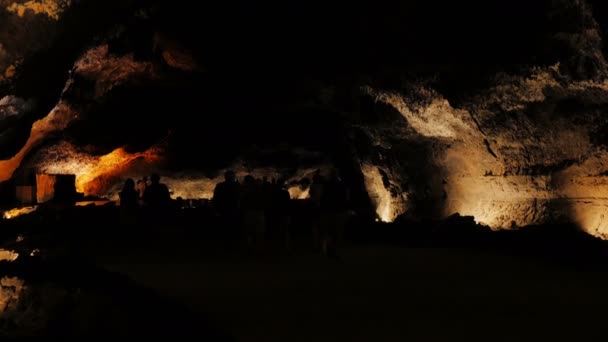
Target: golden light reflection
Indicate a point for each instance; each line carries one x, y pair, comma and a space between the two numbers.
437, 118
296, 192
96, 174
51, 8
200, 187
190, 186
387, 208
110, 164
6, 255
500, 202
591, 216
92, 203
584, 197
193, 186
103, 176
519, 201
57, 119
14, 213
10, 292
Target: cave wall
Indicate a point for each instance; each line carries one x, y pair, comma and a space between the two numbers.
428, 108
523, 150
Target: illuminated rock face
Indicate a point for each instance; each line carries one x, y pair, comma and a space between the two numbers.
509, 131
524, 164
521, 151
10, 293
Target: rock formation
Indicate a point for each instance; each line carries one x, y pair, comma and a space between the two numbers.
429, 109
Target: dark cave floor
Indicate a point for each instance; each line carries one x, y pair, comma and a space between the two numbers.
375, 292
449, 281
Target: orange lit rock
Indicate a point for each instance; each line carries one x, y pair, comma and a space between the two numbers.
50, 8
14, 213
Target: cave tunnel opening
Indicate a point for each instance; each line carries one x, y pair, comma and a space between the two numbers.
208, 123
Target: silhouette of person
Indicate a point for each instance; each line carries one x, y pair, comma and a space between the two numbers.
128, 195
226, 195
226, 203
334, 205
156, 195
266, 189
128, 201
281, 207
254, 216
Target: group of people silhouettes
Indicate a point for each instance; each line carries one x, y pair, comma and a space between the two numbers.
153, 196
258, 206
254, 210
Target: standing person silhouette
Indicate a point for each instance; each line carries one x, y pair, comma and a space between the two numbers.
157, 199
334, 205
281, 205
254, 215
226, 202
128, 202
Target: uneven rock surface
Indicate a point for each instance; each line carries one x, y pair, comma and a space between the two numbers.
424, 115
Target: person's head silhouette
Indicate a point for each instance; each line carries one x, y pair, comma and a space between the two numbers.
155, 178
229, 176
129, 184
249, 180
